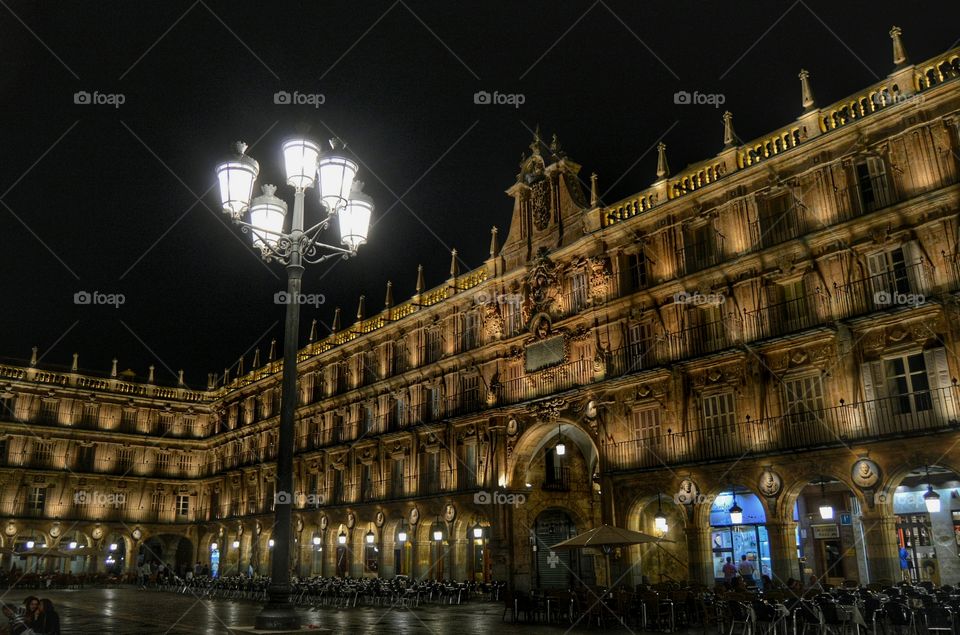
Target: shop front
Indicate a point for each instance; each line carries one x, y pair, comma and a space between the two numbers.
738, 529
927, 514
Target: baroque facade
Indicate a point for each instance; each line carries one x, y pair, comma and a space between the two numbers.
773, 329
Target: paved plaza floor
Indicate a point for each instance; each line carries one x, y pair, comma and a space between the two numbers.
128, 611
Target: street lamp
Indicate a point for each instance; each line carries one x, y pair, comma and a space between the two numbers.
660, 520
560, 448
305, 166
736, 512
826, 509
342, 538
370, 537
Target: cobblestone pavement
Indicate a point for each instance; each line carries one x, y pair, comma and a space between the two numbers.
128, 611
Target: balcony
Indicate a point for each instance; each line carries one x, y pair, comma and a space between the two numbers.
789, 316
909, 414
902, 286
700, 255
556, 480
772, 230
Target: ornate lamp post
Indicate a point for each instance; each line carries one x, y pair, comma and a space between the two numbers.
264, 219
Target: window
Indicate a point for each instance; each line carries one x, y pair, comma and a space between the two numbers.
779, 219
165, 425
399, 356
128, 420
3, 451
396, 478
872, 184
183, 505
430, 473
185, 463
637, 270
91, 413
803, 399
579, 292
640, 342
158, 502
49, 411
469, 392
124, 459
646, 425
366, 419
701, 247
467, 472
42, 452
368, 368
38, 499
399, 410
163, 462
907, 383
718, 413
366, 483
7, 411
469, 323
512, 318
433, 345
888, 275
793, 311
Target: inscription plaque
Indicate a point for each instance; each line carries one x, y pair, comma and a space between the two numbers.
543, 353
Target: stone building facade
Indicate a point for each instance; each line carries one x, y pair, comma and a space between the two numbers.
773, 329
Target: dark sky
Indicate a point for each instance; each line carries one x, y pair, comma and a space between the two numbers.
115, 199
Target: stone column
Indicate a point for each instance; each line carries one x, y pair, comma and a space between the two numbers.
783, 550
700, 558
880, 543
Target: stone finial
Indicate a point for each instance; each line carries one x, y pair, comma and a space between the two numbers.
76, 363
594, 196
899, 51
663, 170
729, 136
226, 376
313, 330
211, 381
535, 145
805, 91
336, 320
420, 284
180, 376
256, 358
150, 374
33, 356
113, 368
273, 350
454, 267
493, 241
388, 300
361, 308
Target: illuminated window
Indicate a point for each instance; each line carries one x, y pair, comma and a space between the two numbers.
646, 425
38, 499
803, 399
183, 505
579, 292
158, 501
719, 416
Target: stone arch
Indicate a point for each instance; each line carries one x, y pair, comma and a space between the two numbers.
538, 436
701, 510
656, 563
793, 488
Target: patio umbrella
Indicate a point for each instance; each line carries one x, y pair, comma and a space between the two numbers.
607, 537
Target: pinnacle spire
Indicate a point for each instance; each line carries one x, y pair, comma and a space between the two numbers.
33, 356
899, 51
336, 320
360, 308
729, 136
806, 92
180, 377
493, 241
256, 358
240, 367
454, 267
150, 373
75, 364
420, 284
594, 196
273, 350
663, 170
388, 300
313, 330
113, 368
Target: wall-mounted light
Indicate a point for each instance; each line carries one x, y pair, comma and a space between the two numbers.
113, 546
660, 520
931, 499
438, 534
270, 543
478, 532
370, 537
31, 544
214, 546
736, 512
342, 537
826, 509
316, 540
72, 545
560, 448
402, 536
236, 544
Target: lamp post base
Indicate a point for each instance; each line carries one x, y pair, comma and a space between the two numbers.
278, 617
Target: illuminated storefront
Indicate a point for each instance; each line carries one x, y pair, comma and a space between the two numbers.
734, 537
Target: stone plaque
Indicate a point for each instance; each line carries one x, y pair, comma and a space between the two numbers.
543, 353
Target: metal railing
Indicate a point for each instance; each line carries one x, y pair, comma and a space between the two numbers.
907, 414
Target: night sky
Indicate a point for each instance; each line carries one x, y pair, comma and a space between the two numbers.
121, 199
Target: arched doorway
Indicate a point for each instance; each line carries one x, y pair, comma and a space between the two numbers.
738, 533
557, 569
926, 508
116, 556
829, 533
343, 552
480, 561
403, 549
77, 545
